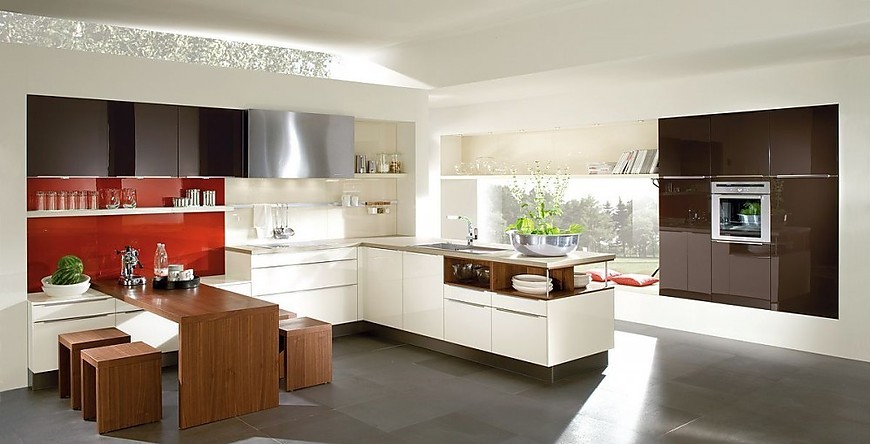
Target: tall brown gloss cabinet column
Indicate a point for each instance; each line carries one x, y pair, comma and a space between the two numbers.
796, 151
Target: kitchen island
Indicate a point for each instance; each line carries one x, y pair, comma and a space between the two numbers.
227, 350
398, 288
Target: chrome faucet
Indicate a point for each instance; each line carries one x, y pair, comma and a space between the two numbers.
472, 230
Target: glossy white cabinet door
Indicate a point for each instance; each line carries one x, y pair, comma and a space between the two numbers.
468, 324
335, 305
43, 338
289, 278
422, 294
380, 277
149, 328
519, 335
579, 326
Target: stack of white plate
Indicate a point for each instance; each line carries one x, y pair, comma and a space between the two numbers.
532, 283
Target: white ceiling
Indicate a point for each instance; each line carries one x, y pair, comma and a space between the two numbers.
471, 51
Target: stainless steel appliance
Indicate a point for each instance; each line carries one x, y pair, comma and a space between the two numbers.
740, 212
285, 144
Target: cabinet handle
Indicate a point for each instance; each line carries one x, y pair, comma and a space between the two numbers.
806, 176
684, 177
505, 310
469, 303
70, 302
52, 321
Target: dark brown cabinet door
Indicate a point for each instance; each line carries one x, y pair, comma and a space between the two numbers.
66, 137
741, 274
804, 140
805, 238
156, 129
684, 146
673, 262
211, 142
740, 144
699, 268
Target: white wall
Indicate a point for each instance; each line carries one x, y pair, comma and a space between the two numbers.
843, 82
32, 70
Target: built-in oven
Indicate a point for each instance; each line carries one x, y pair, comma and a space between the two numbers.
740, 212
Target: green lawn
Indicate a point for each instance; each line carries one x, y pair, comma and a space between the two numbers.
630, 265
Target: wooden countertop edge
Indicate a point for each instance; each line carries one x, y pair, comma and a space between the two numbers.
111, 289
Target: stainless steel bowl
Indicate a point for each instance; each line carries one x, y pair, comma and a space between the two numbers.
545, 245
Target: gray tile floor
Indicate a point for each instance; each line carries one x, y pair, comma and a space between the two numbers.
661, 386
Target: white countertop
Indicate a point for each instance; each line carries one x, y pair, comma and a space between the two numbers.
409, 243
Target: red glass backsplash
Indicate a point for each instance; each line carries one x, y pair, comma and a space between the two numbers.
195, 240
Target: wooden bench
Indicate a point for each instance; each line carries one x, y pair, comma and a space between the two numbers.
121, 385
69, 347
307, 352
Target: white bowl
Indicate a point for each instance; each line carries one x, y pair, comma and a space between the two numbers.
530, 279
581, 280
533, 290
66, 291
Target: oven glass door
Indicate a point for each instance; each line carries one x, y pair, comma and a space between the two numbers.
733, 219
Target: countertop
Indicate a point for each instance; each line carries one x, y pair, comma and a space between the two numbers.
409, 243
178, 305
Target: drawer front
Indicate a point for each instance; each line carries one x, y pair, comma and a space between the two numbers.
42, 356
335, 305
242, 288
519, 335
302, 277
524, 305
478, 297
302, 257
72, 309
467, 324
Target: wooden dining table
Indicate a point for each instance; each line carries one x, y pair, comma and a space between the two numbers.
227, 348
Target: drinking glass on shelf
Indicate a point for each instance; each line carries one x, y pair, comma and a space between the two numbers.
51, 200
72, 200
128, 197
111, 198
93, 201
61, 200
40, 200
83, 200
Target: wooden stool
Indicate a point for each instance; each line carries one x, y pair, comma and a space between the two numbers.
307, 347
284, 315
121, 386
69, 347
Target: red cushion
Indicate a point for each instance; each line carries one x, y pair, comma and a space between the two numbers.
635, 280
597, 274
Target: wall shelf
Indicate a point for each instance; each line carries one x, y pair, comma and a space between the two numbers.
572, 176
379, 175
128, 211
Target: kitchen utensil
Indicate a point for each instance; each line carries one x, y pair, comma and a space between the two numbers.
66, 291
128, 197
581, 280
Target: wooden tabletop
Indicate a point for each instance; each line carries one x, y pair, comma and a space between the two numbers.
178, 305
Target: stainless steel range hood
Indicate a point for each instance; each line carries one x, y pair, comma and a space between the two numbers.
286, 144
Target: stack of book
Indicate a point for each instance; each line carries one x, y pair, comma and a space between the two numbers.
600, 167
637, 162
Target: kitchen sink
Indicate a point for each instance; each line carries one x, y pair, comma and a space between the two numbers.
474, 249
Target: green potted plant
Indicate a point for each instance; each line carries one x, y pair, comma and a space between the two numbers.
535, 232
750, 214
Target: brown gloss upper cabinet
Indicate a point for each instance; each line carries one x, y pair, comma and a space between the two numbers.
684, 146
170, 140
804, 140
739, 144
66, 137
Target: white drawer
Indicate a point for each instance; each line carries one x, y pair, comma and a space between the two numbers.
302, 257
42, 353
479, 297
335, 305
523, 305
302, 277
72, 309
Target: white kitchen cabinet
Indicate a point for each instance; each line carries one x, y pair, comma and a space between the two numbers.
380, 286
321, 284
149, 328
468, 317
335, 305
288, 278
579, 326
519, 328
49, 317
422, 294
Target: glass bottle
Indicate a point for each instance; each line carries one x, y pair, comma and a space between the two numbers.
161, 261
